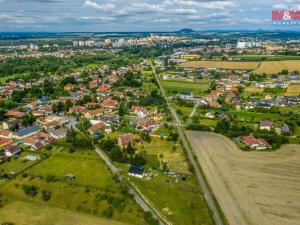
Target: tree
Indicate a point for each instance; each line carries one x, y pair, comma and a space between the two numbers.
116, 154
145, 137
27, 120
213, 85
130, 149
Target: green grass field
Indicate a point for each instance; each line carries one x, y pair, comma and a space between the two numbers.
16, 165
181, 202
256, 117
147, 77
86, 166
93, 192
177, 86
208, 122
171, 153
22, 213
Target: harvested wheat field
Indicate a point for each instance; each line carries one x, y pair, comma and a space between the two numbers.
254, 90
221, 65
252, 188
270, 67
293, 89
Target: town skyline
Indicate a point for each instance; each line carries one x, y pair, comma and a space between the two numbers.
140, 16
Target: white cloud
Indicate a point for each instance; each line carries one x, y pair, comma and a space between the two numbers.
102, 7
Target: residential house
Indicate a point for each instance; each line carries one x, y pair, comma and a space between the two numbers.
136, 171
251, 142
5, 142
90, 114
98, 128
125, 139
29, 141
263, 143
265, 125
214, 104
140, 111
146, 124
76, 109
110, 103
11, 150
59, 133
5, 134
15, 114
28, 131
213, 95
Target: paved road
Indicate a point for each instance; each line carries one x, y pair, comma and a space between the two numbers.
201, 181
116, 172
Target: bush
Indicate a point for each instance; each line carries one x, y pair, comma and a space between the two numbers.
109, 212
30, 190
51, 178
149, 219
46, 195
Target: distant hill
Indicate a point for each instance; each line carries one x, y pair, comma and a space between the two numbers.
185, 31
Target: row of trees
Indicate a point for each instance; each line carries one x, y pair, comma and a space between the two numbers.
50, 64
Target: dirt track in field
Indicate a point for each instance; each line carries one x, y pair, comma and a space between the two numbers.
252, 188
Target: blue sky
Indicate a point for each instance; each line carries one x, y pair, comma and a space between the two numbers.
139, 15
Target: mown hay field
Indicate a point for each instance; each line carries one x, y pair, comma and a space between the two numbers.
293, 89
254, 90
271, 67
221, 65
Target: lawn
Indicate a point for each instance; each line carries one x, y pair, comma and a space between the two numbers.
181, 202
256, 117
22, 213
293, 89
291, 108
16, 164
221, 65
147, 77
271, 67
178, 86
168, 151
186, 111
86, 166
208, 122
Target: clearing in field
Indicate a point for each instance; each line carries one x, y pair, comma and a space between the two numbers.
293, 89
221, 65
252, 188
22, 213
271, 67
179, 86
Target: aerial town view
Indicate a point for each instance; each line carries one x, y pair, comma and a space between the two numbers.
165, 112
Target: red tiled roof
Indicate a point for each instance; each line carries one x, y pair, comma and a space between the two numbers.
250, 140
263, 142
